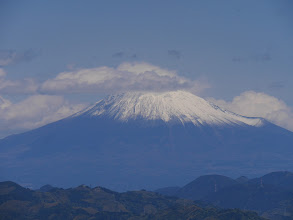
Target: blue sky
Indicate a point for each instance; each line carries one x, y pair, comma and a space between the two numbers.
236, 51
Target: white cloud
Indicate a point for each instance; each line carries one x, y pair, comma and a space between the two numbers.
34, 111
256, 104
126, 77
140, 68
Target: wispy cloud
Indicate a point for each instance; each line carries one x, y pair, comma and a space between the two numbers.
2, 73
122, 54
276, 85
174, 54
10, 57
118, 55
126, 77
261, 57
25, 86
257, 104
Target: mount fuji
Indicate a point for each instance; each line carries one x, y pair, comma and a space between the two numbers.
145, 140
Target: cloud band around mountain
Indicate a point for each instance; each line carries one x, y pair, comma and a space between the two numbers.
47, 104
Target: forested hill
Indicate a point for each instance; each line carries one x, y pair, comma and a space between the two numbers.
84, 202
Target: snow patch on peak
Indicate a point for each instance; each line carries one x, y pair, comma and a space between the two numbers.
167, 106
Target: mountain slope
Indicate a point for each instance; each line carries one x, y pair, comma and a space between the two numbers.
205, 185
271, 195
281, 179
131, 141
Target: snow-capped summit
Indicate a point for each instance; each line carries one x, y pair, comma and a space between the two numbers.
178, 106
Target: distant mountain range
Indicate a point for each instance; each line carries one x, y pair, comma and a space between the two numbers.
100, 203
145, 140
270, 195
